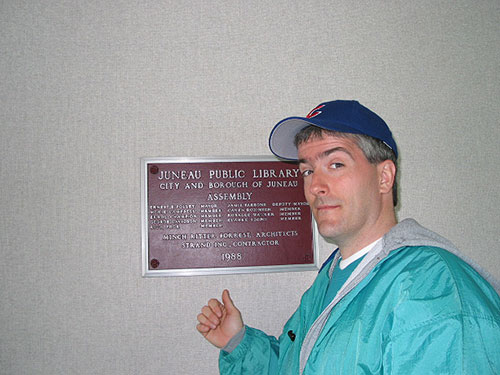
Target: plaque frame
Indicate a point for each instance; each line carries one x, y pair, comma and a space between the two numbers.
203, 271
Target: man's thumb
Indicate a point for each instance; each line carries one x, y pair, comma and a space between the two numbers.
228, 302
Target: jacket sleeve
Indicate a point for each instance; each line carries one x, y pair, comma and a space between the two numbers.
260, 354
458, 344
446, 321
257, 353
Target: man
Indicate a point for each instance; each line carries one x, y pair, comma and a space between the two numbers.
393, 299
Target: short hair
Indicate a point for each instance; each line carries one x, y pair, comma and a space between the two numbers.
375, 150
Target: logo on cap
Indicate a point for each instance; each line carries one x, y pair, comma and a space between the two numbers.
316, 111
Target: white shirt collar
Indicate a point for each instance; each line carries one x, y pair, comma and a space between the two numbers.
354, 257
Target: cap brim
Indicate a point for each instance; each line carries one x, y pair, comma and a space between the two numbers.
282, 137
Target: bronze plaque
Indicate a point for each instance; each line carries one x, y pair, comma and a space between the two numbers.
224, 215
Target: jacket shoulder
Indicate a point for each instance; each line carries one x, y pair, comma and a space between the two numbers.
430, 282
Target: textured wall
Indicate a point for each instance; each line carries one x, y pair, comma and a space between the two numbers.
87, 88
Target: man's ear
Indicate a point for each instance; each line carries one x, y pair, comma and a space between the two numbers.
387, 175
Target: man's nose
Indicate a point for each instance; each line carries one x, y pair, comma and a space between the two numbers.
318, 185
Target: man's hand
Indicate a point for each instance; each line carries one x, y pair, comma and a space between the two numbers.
219, 322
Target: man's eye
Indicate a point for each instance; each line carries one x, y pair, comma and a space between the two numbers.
306, 173
336, 165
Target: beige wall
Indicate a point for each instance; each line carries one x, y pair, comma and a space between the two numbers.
87, 88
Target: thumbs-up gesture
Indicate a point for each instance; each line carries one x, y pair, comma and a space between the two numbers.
219, 322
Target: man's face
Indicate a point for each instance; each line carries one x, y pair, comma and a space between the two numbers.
341, 186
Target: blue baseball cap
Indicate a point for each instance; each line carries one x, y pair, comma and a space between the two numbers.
347, 116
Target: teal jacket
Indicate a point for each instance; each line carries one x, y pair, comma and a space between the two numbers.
411, 307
